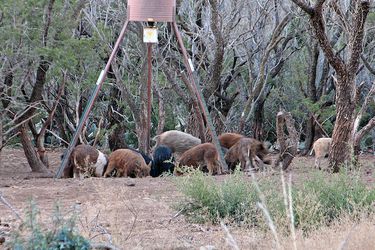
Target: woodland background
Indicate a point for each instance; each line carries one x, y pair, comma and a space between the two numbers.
252, 59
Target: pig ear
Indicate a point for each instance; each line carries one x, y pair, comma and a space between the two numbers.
156, 138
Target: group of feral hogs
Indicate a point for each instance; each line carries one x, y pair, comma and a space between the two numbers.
172, 151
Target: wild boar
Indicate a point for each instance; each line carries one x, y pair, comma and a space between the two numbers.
321, 149
246, 150
177, 141
202, 154
127, 163
85, 161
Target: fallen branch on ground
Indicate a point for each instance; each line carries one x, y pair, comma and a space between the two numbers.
2, 200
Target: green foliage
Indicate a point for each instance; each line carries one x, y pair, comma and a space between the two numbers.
371, 19
343, 193
62, 235
325, 114
211, 201
318, 201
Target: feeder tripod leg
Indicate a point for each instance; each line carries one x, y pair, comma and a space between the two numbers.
149, 95
90, 104
202, 102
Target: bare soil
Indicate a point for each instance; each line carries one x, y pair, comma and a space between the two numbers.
143, 216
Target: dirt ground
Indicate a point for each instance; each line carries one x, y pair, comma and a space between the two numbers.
142, 216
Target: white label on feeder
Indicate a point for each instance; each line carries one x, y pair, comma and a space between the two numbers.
100, 79
191, 65
150, 35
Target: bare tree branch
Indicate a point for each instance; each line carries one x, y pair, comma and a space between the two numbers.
359, 135
6, 203
356, 35
305, 7
367, 65
47, 23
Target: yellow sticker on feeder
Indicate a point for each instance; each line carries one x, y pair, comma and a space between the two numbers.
150, 35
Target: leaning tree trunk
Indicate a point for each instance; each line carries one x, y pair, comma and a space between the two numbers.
193, 125
35, 163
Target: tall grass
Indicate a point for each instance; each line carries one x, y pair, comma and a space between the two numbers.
315, 202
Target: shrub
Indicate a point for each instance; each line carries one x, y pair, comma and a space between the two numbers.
316, 202
62, 233
208, 200
341, 193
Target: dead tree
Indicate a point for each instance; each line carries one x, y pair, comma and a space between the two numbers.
288, 143
340, 151
259, 85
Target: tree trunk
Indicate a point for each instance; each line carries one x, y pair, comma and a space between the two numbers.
192, 125
310, 134
257, 126
32, 157
41, 149
1, 136
360, 134
288, 143
36, 96
341, 149
40, 137
116, 139
161, 121
312, 94
141, 129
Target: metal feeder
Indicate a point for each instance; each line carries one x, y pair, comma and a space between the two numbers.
149, 11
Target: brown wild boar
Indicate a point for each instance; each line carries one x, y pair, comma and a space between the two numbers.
246, 150
177, 141
227, 140
200, 155
321, 149
85, 161
127, 163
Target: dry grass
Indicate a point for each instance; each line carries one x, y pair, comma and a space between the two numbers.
344, 234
